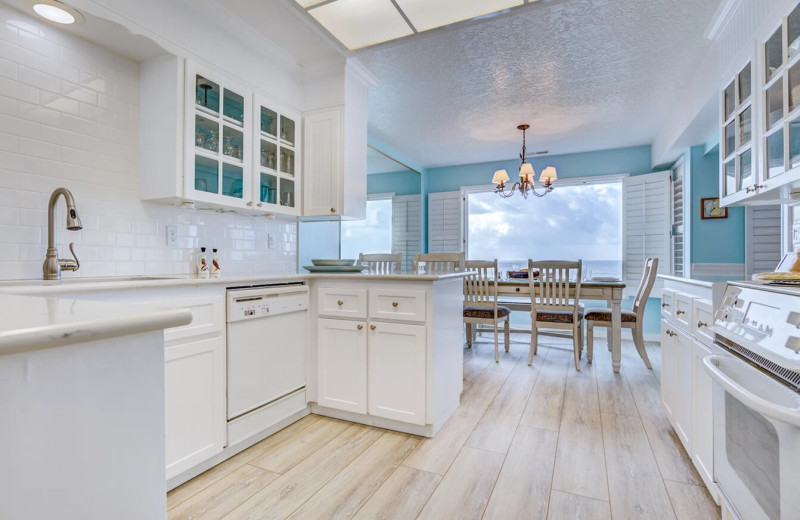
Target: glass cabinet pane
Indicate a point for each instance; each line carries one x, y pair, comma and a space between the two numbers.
794, 32
775, 154
745, 170
206, 133
728, 95
745, 126
730, 177
206, 93
233, 143
232, 180
773, 54
233, 106
206, 174
794, 142
287, 161
774, 104
730, 141
745, 84
268, 155
794, 87
269, 189
287, 130
269, 122
287, 193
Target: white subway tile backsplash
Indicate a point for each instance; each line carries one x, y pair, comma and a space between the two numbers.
14, 89
38, 79
8, 69
39, 45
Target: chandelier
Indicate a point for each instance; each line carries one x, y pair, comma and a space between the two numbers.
525, 185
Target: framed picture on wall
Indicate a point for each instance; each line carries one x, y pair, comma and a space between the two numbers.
710, 208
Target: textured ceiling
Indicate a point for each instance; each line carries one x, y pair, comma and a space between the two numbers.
585, 74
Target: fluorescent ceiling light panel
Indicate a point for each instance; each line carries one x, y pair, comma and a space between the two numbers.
429, 14
358, 23
305, 4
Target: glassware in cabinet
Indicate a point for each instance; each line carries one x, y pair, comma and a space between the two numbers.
207, 94
268, 190
287, 197
287, 130
774, 152
269, 122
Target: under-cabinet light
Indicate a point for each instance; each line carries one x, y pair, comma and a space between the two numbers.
55, 11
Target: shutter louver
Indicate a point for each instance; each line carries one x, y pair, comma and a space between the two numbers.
406, 236
444, 222
763, 239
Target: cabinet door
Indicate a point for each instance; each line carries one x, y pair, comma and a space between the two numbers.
277, 160
702, 432
342, 364
195, 403
397, 371
669, 370
685, 378
322, 166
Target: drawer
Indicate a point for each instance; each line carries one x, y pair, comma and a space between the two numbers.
702, 319
667, 303
393, 304
342, 303
683, 311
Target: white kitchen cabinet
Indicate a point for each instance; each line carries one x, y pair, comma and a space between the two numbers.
702, 416
322, 195
669, 370
342, 364
396, 375
277, 145
195, 406
739, 174
685, 391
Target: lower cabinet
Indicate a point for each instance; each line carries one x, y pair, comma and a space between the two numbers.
685, 390
372, 367
669, 370
703, 417
342, 364
194, 402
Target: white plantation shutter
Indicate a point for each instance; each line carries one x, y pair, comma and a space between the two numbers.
648, 219
763, 249
444, 222
406, 232
678, 249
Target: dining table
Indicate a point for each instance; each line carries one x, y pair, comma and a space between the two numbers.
516, 292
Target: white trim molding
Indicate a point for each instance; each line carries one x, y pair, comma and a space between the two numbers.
712, 269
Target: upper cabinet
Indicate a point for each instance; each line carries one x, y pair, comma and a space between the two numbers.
208, 140
760, 128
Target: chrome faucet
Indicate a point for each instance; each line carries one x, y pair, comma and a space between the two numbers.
51, 269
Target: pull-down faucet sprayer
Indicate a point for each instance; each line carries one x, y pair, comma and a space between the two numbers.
52, 267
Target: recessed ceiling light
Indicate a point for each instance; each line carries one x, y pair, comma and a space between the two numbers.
55, 11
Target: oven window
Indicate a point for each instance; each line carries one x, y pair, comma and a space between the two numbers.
751, 445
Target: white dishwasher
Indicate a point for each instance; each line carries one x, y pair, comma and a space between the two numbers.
267, 338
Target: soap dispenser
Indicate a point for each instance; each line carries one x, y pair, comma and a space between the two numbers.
202, 263
215, 268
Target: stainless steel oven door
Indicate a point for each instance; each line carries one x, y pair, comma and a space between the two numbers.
756, 441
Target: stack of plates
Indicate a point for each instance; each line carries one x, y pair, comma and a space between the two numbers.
604, 279
333, 265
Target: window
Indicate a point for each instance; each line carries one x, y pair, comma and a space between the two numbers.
679, 255
371, 235
581, 218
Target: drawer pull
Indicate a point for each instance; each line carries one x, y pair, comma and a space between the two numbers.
339, 303
701, 324
372, 327
679, 312
395, 304
333, 210
360, 327
671, 334
664, 305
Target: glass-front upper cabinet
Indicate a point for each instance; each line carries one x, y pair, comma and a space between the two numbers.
737, 145
277, 184
218, 141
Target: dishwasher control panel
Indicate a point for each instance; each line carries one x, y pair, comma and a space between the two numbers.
245, 304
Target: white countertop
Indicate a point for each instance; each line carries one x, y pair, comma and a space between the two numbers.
35, 323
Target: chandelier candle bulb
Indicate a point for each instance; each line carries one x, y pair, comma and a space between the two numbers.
526, 184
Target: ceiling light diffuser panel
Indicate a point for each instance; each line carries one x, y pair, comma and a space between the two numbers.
359, 23
429, 14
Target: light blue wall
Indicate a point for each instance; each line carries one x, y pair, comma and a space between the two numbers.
400, 183
712, 240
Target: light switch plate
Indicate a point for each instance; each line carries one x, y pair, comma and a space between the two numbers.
172, 235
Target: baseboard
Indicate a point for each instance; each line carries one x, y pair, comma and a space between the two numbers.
712, 269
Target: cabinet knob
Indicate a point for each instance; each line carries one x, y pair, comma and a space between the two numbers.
359, 326
372, 327
679, 312
333, 210
250, 203
670, 333
757, 186
701, 324
339, 303
749, 189
395, 304
664, 305
259, 205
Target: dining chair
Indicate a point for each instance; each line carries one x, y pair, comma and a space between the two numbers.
480, 302
632, 319
383, 263
439, 263
554, 305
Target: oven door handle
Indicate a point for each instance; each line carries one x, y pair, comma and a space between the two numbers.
772, 399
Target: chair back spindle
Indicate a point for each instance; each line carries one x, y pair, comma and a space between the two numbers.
382, 263
439, 263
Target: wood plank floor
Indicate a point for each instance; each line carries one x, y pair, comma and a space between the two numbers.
539, 442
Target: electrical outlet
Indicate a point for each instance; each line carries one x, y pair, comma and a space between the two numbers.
270, 241
172, 235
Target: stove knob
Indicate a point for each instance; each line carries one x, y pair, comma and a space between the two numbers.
793, 343
794, 319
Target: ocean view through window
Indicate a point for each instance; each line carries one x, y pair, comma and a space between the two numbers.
577, 220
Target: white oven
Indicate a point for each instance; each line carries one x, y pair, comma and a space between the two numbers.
755, 372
